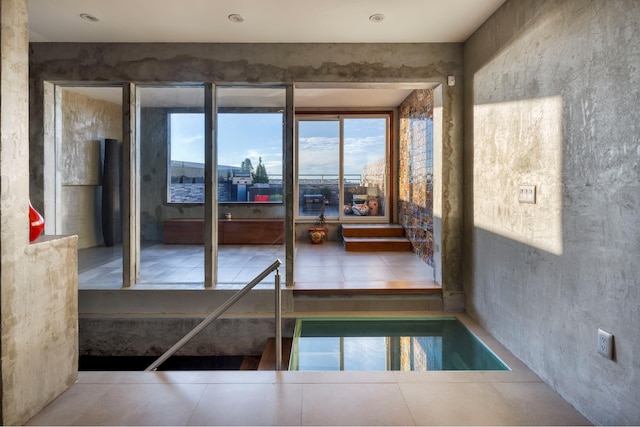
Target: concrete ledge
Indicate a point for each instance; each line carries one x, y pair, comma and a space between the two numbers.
176, 302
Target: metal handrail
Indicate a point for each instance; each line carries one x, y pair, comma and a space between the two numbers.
224, 307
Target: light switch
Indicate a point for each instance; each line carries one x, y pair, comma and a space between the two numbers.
527, 194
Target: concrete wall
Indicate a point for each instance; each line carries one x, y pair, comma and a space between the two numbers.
86, 123
144, 336
38, 290
551, 94
40, 332
271, 63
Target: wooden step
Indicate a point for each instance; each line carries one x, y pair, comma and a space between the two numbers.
372, 230
376, 244
268, 359
250, 363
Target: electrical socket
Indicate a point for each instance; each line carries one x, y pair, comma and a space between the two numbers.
605, 344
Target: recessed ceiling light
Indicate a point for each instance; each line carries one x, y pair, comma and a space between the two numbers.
235, 17
377, 17
89, 17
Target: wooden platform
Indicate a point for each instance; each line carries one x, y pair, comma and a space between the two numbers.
366, 287
374, 238
256, 231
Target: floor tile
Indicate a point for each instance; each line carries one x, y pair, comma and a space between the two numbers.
440, 377
354, 404
69, 408
144, 404
341, 377
458, 404
144, 377
361, 261
249, 404
540, 405
317, 261
325, 274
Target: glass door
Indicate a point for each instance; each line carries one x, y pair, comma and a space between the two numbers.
342, 168
318, 168
250, 184
365, 167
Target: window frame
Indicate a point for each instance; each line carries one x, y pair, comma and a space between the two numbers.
223, 110
341, 116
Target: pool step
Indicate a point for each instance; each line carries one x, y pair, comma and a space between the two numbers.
268, 359
375, 238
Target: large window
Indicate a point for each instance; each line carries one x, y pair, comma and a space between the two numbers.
342, 167
249, 157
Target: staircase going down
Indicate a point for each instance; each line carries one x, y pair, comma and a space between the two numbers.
267, 362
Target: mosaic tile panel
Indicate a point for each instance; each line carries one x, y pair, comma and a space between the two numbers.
415, 191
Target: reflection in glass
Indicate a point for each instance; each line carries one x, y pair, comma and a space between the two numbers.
394, 344
318, 167
249, 143
365, 141
172, 171
250, 157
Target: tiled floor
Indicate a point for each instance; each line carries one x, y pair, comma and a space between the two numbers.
180, 266
328, 267
516, 397
317, 266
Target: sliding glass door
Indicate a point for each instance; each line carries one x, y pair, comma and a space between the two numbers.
318, 167
342, 167
365, 167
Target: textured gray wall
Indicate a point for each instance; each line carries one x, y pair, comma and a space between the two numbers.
153, 336
86, 123
38, 286
551, 98
271, 63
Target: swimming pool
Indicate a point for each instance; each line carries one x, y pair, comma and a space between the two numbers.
389, 344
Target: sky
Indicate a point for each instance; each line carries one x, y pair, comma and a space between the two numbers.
255, 136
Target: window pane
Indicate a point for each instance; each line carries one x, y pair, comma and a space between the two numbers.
365, 148
186, 131
318, 167
250, 157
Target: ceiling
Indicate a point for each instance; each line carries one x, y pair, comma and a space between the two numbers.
265, 21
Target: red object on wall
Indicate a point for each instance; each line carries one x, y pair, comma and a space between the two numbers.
36, 223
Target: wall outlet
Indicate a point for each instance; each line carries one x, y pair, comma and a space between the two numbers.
605, 344
527, 193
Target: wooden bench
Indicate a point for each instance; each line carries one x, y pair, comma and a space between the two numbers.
258, 231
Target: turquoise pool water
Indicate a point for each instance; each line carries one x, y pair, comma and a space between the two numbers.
389, 344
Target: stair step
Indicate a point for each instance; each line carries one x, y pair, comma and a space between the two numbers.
372, 230
268, 359
250, 363
377, 244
